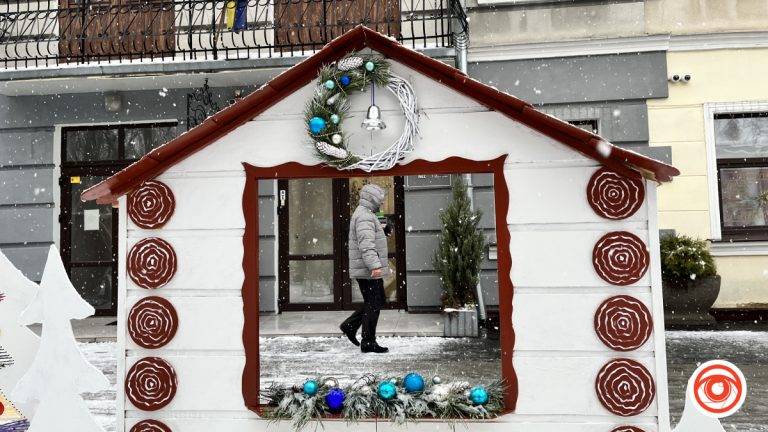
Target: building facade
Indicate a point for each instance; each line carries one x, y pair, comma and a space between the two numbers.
672, 79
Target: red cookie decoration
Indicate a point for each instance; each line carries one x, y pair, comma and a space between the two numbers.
614, 196
625, 387
150, 426
620, 258
623, 323
627, 429
151, 263
151, 205
152, 322
150, 384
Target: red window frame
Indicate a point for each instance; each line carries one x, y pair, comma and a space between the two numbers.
454, 165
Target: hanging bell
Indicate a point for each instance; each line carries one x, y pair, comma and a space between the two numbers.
373, 120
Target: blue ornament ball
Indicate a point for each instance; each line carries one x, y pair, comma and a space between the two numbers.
387, 390
335, 399
413, 383
369, 66
330, 84
335, 119
478, 395
345, 80
310, 387
316, 125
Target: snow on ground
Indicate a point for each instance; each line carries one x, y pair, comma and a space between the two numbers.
290, 359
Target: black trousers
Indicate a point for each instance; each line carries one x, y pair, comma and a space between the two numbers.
368, 315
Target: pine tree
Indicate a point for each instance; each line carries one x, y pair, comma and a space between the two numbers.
460, 249
59, 372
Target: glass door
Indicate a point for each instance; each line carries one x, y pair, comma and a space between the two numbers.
313, 227
88, 230
307, 245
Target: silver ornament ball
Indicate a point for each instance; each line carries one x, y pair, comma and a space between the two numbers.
437, 380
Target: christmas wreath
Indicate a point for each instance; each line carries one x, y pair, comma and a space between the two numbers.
329, 106
398, 399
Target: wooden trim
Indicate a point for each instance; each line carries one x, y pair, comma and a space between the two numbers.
623, 161
453, 165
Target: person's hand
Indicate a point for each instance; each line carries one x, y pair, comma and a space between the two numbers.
376, 273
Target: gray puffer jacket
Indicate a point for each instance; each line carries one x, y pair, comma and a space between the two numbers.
367, 241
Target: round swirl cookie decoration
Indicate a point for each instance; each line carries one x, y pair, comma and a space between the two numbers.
152, 322
627, 429
620, 258
151, 263
623, 323
151, 384
718, 388
151, 205
150, 426
625, 387
614, 196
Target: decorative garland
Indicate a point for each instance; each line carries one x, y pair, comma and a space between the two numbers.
400, 400
329, 106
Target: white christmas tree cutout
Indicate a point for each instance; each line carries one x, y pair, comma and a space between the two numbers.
59, 372
18, 344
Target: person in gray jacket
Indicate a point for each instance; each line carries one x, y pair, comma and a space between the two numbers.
368, 263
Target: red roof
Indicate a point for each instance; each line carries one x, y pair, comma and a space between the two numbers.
156, 162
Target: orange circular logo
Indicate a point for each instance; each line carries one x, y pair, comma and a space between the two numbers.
718, 388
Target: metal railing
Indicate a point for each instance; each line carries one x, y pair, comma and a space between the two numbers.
39, 33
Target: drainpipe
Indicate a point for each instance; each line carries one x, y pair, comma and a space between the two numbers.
460, 34
478, 288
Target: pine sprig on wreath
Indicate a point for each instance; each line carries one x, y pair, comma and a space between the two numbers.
319, 106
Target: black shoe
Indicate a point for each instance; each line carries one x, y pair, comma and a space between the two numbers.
352, 336
374, 348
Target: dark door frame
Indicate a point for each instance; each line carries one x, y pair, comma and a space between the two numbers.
342, 284
105, 168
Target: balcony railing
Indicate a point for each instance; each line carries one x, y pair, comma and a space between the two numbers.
39, 33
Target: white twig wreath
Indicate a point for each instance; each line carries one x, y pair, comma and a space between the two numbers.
329, 106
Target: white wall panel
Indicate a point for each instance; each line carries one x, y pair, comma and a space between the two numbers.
558, 258
553, 195
204, 203
506, 425
203, 262
548, 385
569, 325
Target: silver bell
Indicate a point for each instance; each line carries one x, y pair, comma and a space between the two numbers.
373, 120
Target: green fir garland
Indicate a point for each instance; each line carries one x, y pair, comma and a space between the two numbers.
445, 401
360, 79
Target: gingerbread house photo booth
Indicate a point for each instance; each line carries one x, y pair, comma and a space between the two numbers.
579, 283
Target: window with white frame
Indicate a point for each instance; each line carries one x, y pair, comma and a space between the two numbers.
741, 150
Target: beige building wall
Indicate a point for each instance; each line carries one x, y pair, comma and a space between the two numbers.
726, 76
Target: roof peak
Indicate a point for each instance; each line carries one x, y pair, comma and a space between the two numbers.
159, 160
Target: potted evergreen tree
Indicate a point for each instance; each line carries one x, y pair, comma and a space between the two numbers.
690, 281
457, 261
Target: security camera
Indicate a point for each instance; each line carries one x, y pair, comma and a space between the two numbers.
687, 77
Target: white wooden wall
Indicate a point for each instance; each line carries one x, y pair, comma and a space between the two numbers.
553, 230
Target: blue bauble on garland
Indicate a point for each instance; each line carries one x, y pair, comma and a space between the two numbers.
335, 399
330, 84
310, 387
316, 125
369, 66
387, 390
478, 395
335, 119
413, 383
345, 80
